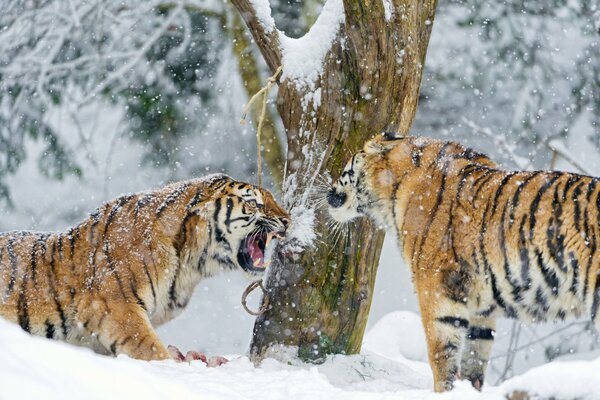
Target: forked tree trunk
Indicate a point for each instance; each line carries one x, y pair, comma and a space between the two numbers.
369, 83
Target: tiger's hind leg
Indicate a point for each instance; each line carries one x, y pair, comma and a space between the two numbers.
476, 351
124, 328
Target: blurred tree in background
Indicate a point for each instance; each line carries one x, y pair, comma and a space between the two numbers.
157, 61
528, 70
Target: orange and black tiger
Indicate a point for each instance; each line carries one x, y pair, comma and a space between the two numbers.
481, 242
134, 263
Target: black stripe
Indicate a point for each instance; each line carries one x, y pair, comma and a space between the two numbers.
13, 266
173, 298
548, 274
95, 217
229, 210
33, 260
480, 183
72, 238
541, 300
487, 312
51, 285
60, 246
593, 248
536, 203
576, 208
202, 258
524, 256
395, 189
145, 268
119, 203
49, 330
499, 190
113, 348
142, 201
517, 195
575, 268
457, 322
171, 198
508, 309
197, 199
596, 300
570, 182
555, 241
219, 182
516, 289
125, 340
415, 155
591, 188
219, 237
22, 306
138, 299
111, 266
478, 333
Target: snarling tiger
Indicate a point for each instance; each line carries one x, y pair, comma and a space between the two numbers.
481, 242
134, 263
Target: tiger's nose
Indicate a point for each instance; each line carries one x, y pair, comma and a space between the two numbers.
335, 198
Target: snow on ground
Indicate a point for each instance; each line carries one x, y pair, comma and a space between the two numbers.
33, 367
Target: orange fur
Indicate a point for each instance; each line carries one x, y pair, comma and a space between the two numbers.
133, 264
481, 242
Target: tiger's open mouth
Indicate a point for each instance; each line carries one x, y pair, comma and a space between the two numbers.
252, 253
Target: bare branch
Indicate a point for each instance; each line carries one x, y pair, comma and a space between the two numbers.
267, 40
558, 148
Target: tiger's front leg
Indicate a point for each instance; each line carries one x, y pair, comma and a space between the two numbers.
124, 328
476, 351
446, 324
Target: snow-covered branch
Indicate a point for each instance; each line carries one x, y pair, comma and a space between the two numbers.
257, 16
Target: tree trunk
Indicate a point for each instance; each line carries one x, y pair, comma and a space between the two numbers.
320, 296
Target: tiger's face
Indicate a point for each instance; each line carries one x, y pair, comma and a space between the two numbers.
348, 198
248, 222
356, 193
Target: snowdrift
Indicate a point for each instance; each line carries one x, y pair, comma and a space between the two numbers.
392, 366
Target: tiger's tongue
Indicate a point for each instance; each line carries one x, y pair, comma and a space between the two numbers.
256, 253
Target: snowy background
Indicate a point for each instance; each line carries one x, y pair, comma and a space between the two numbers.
99, 98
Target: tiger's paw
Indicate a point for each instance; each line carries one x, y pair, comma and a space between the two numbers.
195, 355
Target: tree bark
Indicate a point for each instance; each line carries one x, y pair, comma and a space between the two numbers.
320, 297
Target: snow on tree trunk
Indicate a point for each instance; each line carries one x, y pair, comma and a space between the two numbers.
356, 73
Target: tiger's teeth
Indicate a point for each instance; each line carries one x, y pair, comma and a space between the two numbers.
257, 261
270, 237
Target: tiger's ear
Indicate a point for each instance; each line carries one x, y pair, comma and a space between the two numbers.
382, 143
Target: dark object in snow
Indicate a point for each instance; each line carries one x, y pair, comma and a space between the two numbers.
134, 263
481, 242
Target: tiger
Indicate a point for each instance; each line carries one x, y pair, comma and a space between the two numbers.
481, 242
133, 264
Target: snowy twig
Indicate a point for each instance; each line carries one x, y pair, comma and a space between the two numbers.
562, 152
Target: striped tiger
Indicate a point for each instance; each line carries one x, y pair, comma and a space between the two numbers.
134, 263
481, 242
